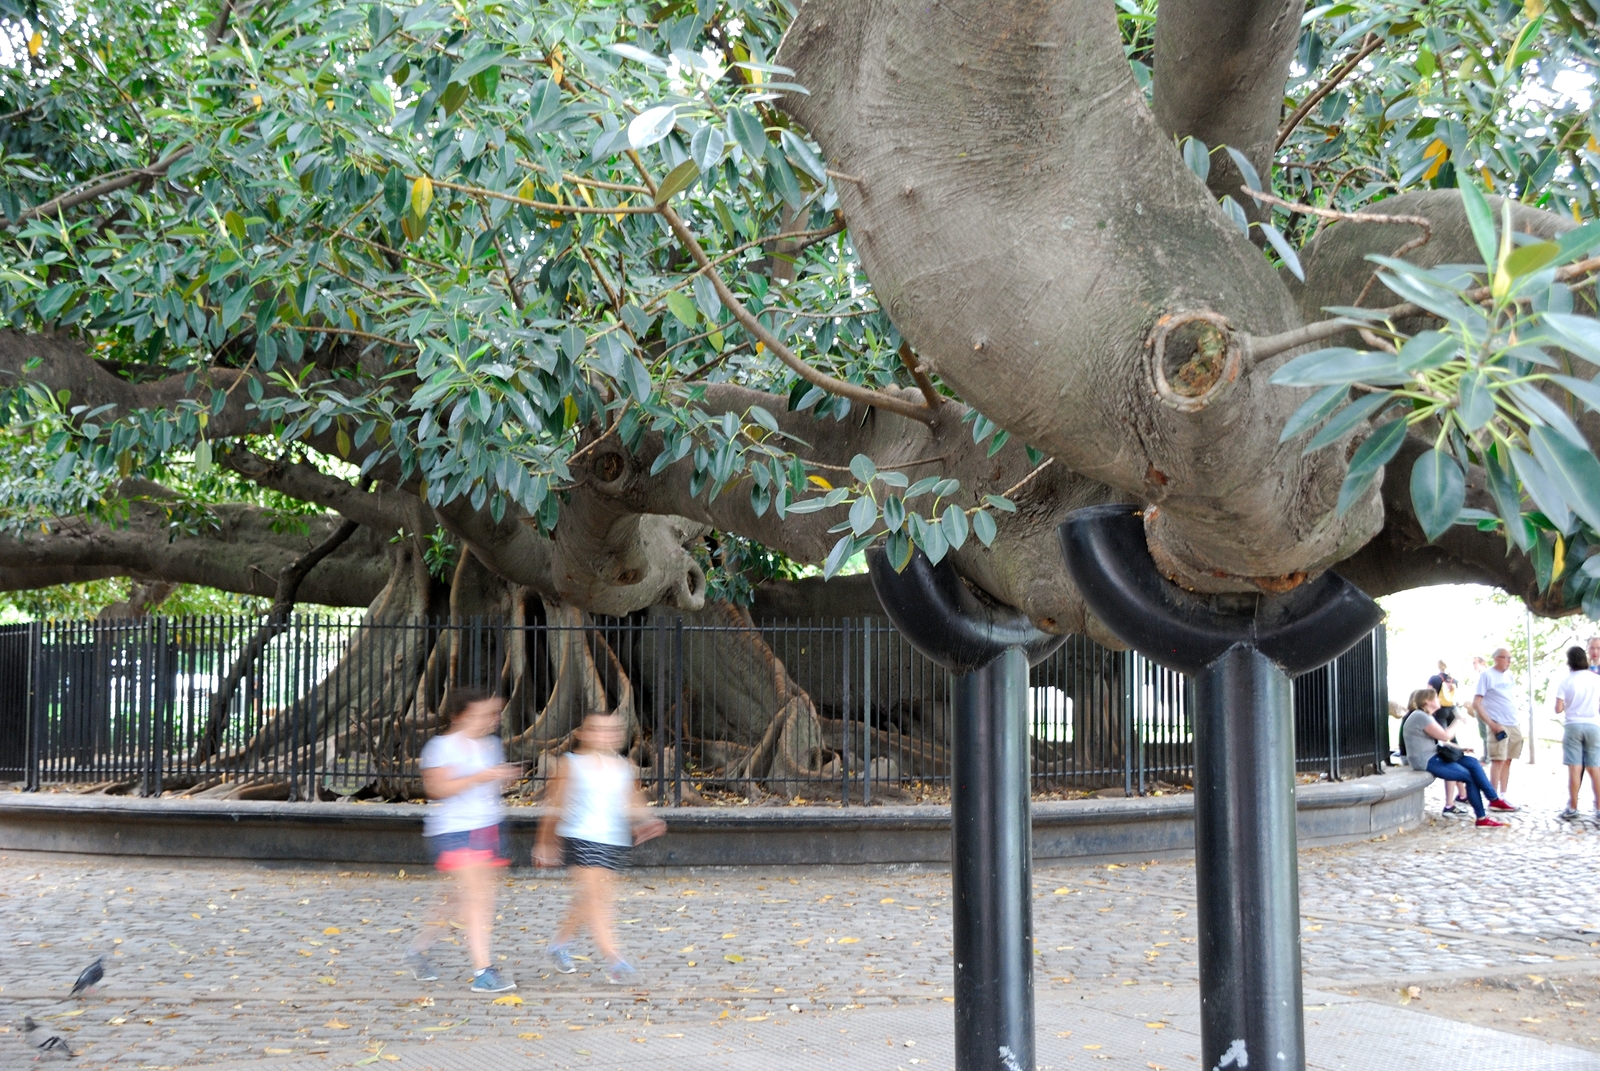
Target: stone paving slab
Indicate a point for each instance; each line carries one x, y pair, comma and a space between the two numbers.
235, 965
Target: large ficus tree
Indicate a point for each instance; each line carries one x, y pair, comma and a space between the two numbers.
512, 303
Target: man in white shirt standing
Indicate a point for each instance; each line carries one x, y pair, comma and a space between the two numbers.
1579, 699
1494, 702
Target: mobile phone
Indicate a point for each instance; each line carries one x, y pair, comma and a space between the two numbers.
1501, 735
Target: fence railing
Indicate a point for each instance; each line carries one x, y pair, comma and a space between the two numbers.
841, 710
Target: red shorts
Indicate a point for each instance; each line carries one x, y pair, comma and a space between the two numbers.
468, 848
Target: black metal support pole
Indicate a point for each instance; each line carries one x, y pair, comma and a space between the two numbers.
991, 862
989, 649
1241, 650
1246, 877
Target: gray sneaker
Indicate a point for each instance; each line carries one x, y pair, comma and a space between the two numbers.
421, 969
490, 980
1570, 814
562, 959
621, 973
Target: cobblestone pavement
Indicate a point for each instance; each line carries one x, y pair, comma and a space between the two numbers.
212, 964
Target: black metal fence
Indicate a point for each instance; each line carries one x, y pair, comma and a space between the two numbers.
841, 710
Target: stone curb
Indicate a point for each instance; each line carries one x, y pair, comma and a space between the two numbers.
389, 834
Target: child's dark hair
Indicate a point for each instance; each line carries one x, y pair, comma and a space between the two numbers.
460, 699
1577, 658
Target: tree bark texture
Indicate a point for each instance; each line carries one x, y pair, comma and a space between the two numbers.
1035, 235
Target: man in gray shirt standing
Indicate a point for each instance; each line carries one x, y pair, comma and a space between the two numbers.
1494, 702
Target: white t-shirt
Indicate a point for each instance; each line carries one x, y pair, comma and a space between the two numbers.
598, 797
478, 806
1580, 696
1499, 695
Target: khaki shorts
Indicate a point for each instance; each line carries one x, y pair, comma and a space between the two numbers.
1509, 748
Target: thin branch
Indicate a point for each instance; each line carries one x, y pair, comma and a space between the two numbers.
1014, 488
924, 384
1355, 217
20, 112
542, 206
816, 377
1372, 43
353, 333
901, 465
119, 181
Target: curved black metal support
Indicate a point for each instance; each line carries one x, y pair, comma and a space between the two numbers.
989, 647
1110, 563
1240, 651
941, 617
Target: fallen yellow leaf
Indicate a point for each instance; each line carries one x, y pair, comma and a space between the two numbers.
327, 980
1091, 1046
1063, 1033
727, 936
672, 1035
390, 1056
734, 957
334, 1024
531, 1037
755, 1018
509, 998
193, 915
1156, 1026
1063, 891
270, 1051
331, 930
887, 900
686, 949
849, 940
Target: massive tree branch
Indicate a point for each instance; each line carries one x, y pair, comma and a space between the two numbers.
1036, 237
1219, 71
241, 554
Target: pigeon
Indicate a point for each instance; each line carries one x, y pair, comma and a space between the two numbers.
90, 977
51, 1047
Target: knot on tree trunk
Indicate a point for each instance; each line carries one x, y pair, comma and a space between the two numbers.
1193, 358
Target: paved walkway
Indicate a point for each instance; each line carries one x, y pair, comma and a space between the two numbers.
235, 966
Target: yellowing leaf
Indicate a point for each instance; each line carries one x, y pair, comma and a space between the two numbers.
328, 980
35, 43
421, 196
820, 482
729, 936
269, 1050
734, 957
334, 1024
331, 931
528, 191
193, 915
887, 900
1438, 152
849, 940
1091, 1046
510, 998
531, 1037
1063, 891
390, 1056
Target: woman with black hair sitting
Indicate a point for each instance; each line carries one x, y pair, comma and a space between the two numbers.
1426, 743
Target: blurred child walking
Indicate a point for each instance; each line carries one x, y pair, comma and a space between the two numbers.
598, 810
465, 772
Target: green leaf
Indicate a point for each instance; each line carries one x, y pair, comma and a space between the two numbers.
1347, 419
983, 527
1586, 391
748, 132
651, 125
678, 179
1503, 489
1476, 404
1527, 259
862, 468
1438, 491
1545, 491
894, 513
838, 556
1313, 410
1573, 468
954, 526
1290, 258
1004, 505
681, 306
863, 515
1479, 217
933, 542
202, 457
1428, 350
1335, 364
1366, 464
1580, 334
1248, 171
1197, 158
921, 487
897, 548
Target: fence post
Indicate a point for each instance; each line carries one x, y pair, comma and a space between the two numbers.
866, 710
1380, 698
311, 708
660, 691
677, 716
161, 695
1333, 720
36, 703
844, 740
1127, 722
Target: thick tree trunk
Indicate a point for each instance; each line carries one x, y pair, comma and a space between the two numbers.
1035, 235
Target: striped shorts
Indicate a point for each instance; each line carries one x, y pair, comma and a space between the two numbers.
594, 854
